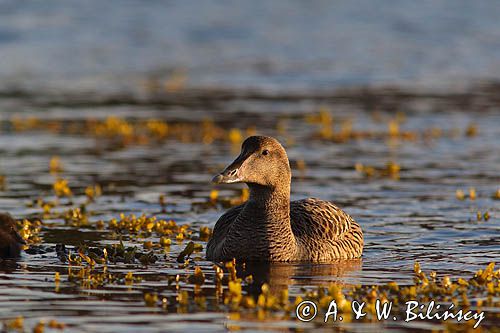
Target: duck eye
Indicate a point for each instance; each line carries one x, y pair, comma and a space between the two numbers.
265, 152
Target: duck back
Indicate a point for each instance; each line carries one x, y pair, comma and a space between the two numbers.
323, 232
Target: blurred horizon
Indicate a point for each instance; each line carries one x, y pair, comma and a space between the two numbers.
267, 45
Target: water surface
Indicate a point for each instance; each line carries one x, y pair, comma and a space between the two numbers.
444, 143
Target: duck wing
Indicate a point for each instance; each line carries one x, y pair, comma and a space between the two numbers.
324, 231
220, 231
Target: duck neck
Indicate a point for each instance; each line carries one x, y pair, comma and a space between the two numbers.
270, 199
271, 208
267, 213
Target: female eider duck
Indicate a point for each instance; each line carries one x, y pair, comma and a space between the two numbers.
268, 227
11, 242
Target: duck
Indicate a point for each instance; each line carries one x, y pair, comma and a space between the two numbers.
11, 243
269, 227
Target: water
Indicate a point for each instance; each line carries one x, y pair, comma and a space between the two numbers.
98, 46
207, 67
415, 218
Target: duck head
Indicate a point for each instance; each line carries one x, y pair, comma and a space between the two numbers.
263, 161
10, 240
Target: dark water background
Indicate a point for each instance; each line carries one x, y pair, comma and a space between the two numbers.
291, 55
299, 44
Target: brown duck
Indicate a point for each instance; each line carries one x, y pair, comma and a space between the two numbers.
268, 227
11, 242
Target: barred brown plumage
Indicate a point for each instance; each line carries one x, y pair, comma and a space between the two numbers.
268, 227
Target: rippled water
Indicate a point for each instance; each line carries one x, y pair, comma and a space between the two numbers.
263, 66
259, 43
415, 218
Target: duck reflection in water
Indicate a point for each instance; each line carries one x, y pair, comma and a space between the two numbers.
282, 276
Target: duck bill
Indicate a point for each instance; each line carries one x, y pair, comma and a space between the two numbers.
231, 174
